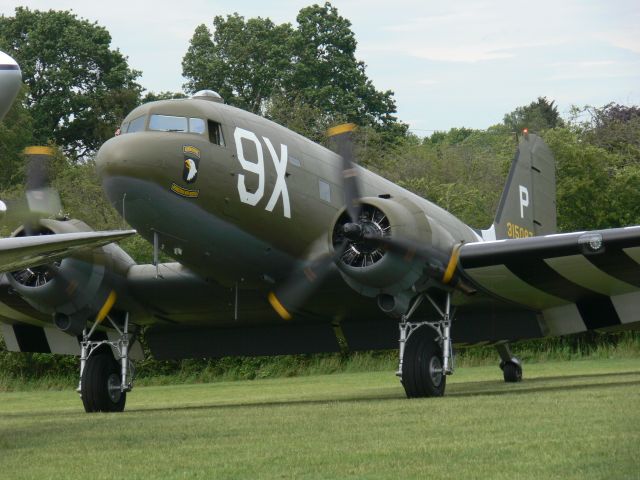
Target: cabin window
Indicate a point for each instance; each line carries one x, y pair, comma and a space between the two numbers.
294, 161
136, 125
167, 123
215, 133
325, 191
196, 125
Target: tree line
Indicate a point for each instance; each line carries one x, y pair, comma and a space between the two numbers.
77, 89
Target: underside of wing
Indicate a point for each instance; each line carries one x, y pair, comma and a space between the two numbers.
25, 252
578, 281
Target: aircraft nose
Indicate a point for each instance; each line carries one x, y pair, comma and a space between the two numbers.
112, 158
10, 81
126, 155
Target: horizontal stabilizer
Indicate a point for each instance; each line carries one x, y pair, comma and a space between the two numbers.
24, 252
578, 281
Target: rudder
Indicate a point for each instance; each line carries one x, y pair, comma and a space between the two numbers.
527, 206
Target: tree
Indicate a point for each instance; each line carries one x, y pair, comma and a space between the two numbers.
260, 66
595, 188
537, 116
245, 62
79, 89
328, 76
452, 137
155, 96
614, 127
15, 135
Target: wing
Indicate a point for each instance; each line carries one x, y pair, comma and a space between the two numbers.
24, 252
578, 281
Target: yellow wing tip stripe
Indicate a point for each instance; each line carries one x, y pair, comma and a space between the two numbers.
106, 308
278, 307
344, 128
453, 263
36, 150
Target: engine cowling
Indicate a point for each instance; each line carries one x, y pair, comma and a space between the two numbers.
74, 289
370, 269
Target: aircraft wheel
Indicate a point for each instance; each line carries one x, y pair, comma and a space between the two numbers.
101, 384
512, 372
422, 366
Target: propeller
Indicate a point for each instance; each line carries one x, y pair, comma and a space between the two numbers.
304, 281
301, 284
41, 200
363, 231
343, 138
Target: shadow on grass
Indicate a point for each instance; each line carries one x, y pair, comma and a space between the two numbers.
456, 390
467, 389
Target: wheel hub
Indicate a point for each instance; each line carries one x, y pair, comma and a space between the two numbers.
435, 370
113, 386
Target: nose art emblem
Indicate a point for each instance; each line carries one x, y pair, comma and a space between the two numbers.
191, 163
190, 167
191, 171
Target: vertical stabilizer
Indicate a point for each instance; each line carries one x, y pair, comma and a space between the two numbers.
527, 206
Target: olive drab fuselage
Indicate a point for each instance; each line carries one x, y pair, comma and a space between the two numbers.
263, 197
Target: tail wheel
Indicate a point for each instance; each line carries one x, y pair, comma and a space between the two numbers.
100, 389
512, 372
422, 374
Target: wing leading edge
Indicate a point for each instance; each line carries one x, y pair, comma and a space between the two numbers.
578, 281
25, 252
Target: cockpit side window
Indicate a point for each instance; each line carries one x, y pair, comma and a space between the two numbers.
196, 125
168, 123
124, 127
136, 125
215, 133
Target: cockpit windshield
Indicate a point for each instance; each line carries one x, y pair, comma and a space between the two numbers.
169, 123
136, 125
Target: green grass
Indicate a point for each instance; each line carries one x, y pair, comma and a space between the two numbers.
578, 419
24, 371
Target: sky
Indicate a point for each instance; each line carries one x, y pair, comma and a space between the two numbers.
459, 63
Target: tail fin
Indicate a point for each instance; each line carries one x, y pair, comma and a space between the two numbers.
528, 204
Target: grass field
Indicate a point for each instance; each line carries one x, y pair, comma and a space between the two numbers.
566, 420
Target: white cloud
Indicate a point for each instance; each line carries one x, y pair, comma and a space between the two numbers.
458, 54
427, 82
627, 40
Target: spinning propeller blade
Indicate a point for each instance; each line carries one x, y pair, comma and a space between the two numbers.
301, 284
304, 281
343, 137
42, 198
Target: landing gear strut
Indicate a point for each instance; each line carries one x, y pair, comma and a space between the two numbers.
509, 364
426, 354
105, 379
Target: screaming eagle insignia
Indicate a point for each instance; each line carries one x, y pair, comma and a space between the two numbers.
190, 166
191, 163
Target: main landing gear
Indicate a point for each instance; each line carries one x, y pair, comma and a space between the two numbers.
426, 354
510, 365
105, 379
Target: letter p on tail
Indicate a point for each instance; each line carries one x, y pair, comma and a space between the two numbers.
528, 200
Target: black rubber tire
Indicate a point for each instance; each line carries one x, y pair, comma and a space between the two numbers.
422, 351
512, 372
99, 369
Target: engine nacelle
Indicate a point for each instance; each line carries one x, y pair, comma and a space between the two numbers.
74, 289
371, 270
